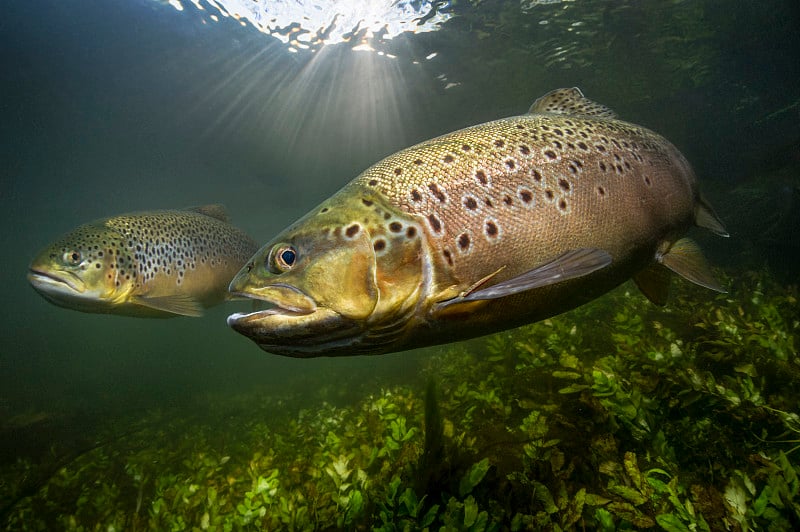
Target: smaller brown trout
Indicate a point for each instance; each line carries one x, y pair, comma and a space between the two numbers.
147, 264
480, 230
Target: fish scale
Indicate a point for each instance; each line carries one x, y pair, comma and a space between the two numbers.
506, 186
480, 230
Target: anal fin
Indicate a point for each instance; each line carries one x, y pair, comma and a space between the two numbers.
175, 304
654, 283
685, 258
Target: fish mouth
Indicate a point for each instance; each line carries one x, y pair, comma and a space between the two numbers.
285, 299
55, 282
294, 325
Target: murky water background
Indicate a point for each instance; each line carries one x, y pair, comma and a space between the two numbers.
116, 106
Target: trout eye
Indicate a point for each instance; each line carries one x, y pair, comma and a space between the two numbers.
72, 258
282, 258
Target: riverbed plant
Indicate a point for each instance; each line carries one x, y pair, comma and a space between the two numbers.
619, 415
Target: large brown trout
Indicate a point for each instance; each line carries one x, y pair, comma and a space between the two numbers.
480, 230
149, 264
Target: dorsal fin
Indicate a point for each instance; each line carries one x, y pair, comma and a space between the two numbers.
215, 210
570, 102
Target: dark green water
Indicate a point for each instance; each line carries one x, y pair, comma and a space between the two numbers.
117, 106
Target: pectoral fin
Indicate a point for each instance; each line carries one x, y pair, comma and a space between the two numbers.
685, 258
176, 304
570, 265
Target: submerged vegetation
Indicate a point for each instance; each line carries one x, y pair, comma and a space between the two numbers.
619, 415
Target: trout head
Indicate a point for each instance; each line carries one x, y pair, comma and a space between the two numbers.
87, 270
343, 280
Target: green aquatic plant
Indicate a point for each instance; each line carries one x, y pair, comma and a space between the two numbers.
616, 416
401, 509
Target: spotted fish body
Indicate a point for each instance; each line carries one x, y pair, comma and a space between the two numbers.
148, 264
480, 230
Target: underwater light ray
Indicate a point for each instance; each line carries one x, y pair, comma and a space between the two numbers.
330, 107
243, 91
357, 100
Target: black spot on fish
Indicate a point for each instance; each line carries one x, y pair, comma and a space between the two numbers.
564, 184
418, 162
562, 204
366, 202
470, 203
437, 192
511, 164
448, 256
499, 143
379, 245
524, 150
481, 176
436, 225
526, 195
415, 195
600, 148
398, 171
537, 176
491, 228
463, 241
550, 154
324, 210
488, 202
395, 227
466, 147
647, 181
411, 232
549, 194
602, 166
448, 158
373, 182
507, 200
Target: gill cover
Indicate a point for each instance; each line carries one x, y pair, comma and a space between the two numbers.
326, 272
